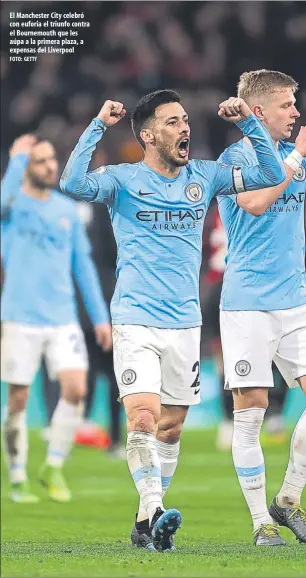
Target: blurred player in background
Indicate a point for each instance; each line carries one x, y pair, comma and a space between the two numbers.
104, 252
263, 304
43, 245
215, 248
157, 208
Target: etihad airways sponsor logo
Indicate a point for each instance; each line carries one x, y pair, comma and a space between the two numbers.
172, 220
296, 197
288, 203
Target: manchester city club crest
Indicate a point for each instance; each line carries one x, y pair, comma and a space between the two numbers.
128, 376
242, 368
299, 175
194, 192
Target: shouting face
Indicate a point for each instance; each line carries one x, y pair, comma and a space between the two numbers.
169, 133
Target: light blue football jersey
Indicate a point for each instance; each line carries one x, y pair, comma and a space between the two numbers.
158, 223
44, 245
265, 264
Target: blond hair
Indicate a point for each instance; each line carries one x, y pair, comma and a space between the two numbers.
263, 82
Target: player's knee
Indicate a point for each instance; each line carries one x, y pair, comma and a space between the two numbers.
250, 398
18, 397
73, 386
20, 403
74, 393
143, 420
169, 432
260, 400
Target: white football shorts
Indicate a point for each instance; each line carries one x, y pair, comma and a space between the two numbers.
23, 346
161, 361
251, 340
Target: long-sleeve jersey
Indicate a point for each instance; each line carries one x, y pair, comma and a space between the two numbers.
158, 223
43, 246
265, 263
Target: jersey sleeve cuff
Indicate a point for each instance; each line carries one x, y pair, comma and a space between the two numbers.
100, 317
98, 123
246, 122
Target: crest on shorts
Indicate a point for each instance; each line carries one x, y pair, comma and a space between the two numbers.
128, 376
299, 175
194, 192
242, 368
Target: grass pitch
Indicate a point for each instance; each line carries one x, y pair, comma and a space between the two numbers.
90, 536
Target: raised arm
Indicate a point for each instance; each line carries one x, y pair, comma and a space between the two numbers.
76, 181
270, 170
14, 174
257, 204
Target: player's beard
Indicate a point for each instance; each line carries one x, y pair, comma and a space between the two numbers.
49, 182
169, 156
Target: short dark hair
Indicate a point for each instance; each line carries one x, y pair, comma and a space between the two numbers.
146, 106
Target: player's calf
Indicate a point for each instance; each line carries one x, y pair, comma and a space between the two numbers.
67, 416
66, 419
16, 437
143, 412
144, 465
17, 398
73, 385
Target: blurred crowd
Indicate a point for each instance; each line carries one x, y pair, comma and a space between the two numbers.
132, 48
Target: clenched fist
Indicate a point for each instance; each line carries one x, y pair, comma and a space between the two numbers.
111, 112
22, 145
234, 109
300, 141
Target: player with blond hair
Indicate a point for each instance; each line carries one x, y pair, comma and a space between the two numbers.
263, 303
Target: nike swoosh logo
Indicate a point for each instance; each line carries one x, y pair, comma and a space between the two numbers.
196, 391
144, 194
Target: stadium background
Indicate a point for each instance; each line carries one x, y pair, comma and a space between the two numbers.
132, 48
